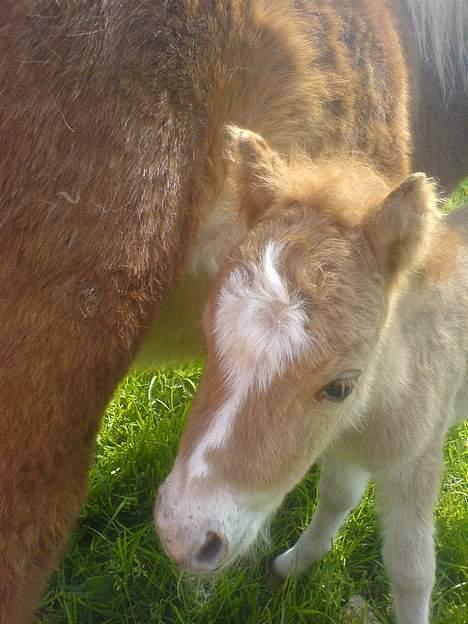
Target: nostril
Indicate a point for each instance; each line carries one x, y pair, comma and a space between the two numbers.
212, 551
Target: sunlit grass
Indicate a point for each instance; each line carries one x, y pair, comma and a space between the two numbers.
458, 198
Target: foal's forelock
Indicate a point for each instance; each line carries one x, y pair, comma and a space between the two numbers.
258, 329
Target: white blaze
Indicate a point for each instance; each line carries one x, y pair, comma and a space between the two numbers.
259, 329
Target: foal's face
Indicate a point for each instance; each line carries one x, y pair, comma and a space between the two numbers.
291, 329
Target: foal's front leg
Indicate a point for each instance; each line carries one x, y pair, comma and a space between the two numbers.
340, 489
408, 498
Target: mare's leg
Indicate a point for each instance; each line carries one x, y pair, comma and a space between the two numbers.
77, 293
59, 366
408, 498
340, 489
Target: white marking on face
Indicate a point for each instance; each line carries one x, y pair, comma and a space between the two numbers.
185, 514
217, 433
259, 329
259, 325
272, 279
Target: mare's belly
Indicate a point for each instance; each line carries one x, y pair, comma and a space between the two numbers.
177, 335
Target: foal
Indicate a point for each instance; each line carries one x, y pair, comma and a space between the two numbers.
337, 329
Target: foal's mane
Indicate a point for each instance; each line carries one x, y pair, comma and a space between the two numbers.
345, 189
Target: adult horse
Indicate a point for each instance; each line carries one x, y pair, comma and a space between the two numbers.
112, 117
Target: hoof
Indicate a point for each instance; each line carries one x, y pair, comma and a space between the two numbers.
285, 564
274, 582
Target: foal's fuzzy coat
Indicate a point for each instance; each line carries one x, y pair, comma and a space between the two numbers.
337, 329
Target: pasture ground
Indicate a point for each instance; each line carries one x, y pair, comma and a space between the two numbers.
116, 573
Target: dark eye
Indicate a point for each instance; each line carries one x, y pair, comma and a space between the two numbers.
339, 389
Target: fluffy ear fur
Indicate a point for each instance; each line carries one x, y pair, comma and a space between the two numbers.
256, 165
400, 228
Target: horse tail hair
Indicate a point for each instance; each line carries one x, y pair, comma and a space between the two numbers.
441, 30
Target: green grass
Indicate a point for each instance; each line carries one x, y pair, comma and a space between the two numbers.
458, 198
115, 571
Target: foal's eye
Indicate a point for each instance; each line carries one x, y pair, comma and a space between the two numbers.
340, 388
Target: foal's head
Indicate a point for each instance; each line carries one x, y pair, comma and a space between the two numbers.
292, 328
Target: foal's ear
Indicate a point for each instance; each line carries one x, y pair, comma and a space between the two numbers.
256, 170
400, 228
